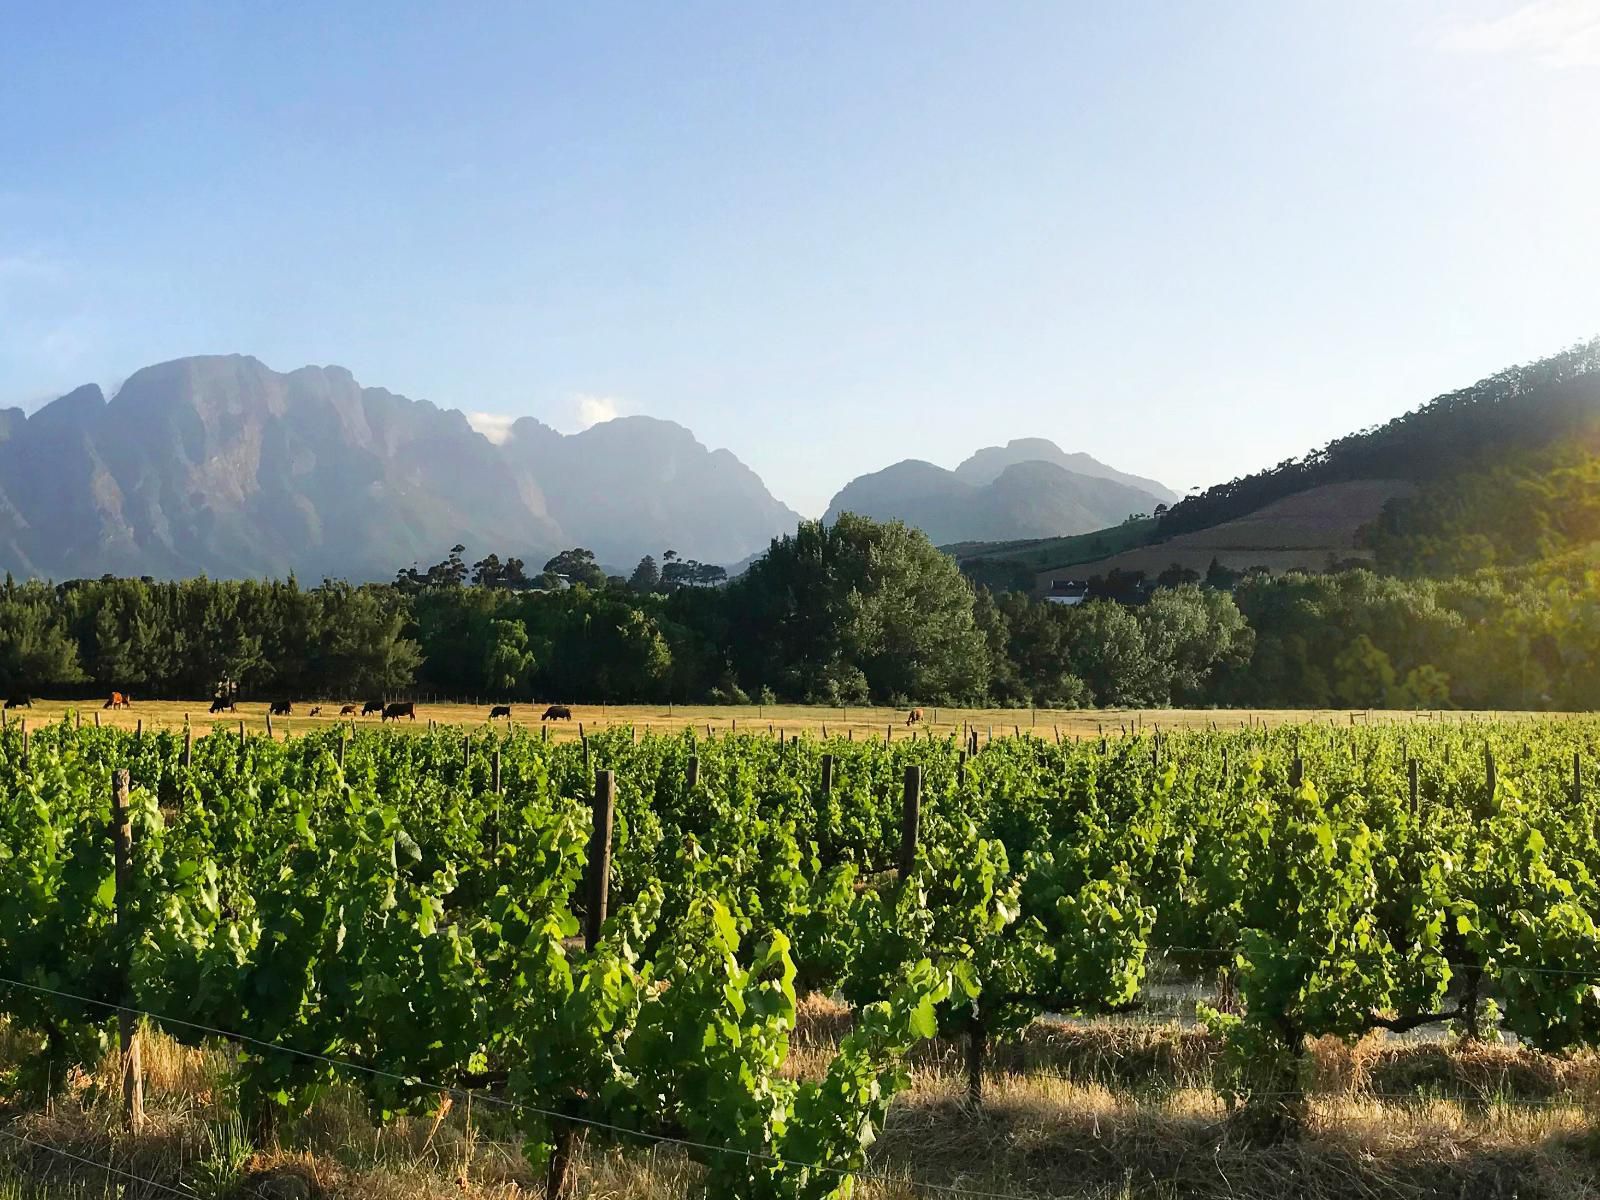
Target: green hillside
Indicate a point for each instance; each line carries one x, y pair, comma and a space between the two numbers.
1522, 409
1010, 566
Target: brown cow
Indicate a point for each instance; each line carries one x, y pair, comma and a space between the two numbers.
400, 708
913, 716
557, 712
118, 700
316, 711
349, 710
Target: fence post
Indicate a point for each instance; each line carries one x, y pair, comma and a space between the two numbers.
605, 793
97, 718
1491, 780
824, 804
910, 820
127, 1022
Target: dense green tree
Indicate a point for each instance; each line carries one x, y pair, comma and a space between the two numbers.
577, 566
835, 610
35, 650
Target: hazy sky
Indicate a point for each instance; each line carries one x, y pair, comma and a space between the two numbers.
1189, 238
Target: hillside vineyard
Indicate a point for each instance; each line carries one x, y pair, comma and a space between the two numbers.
613, 933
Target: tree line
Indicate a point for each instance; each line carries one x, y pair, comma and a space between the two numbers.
848, 613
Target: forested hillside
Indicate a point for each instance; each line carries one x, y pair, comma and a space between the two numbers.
1474, 429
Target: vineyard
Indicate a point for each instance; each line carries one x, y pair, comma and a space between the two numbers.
610, 938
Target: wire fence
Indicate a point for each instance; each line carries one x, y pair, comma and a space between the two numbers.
1485, 1098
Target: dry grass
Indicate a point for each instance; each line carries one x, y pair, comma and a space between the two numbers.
1057, 1123
789, 718
1092, 1111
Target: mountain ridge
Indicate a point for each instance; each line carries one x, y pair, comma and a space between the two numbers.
217, 464
1019, 490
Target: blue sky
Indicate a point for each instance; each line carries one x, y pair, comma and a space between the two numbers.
1189, 238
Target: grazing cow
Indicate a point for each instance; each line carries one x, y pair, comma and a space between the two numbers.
223, 704
400, 708
19, 702
557, 712
349, 710
370, 707
118, 700
316, 711
914, 716
280, 708
500, 710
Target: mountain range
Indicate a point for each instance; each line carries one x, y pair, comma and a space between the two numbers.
219, 465
1028, 488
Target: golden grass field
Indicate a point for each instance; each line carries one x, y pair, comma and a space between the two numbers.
1074, 1111
751, 718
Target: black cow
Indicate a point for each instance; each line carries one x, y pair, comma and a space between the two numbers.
280, 708
19, 702
370, 707
400, 708
557, 712
223, 704
500, 710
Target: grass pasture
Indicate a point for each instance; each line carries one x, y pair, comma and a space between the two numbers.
791, 719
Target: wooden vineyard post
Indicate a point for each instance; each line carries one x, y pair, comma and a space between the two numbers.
910, 821
888, 734
1297, 771
588, 773
605, 799
77, 717
1412, 786
269, 723
188, 743
24, 724
557, 1181
127, 1022
961, 769
494, 771
825, 803
466, 752
97, 718
241, 735
1491, 780
339, 754
1577, 779
691, 776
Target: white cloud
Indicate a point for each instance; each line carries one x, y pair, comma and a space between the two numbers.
494, 426
592, 410
1554, 33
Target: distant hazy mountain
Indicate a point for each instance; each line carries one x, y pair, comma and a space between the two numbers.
985, 466
222, 466
1022, 490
